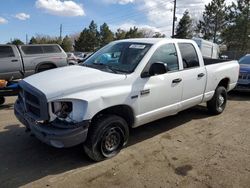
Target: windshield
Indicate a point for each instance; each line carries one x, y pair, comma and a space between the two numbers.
245, 60
122, 57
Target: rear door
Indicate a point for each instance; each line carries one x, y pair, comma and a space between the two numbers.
10, 63
193, 76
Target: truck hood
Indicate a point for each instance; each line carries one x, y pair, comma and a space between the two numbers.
67, 80
245, 68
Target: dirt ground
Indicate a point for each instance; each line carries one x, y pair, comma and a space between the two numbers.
192, 149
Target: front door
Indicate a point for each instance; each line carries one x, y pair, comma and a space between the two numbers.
10, 65
160, 95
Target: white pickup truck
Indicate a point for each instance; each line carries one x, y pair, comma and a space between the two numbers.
125, 84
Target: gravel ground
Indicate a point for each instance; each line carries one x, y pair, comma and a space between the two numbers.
191, 149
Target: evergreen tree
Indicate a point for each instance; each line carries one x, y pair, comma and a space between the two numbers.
106, 35
45, 39
33, 40
88, 40
16, 42
67, 44
184, 28
236, 33
213, 20
120, 34
134, 33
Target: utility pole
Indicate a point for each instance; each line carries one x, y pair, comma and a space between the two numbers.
174, 19
61, 32
26, 38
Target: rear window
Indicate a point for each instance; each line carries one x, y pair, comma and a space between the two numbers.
40, 49
51, 49
6, 51
189, 55
32, 49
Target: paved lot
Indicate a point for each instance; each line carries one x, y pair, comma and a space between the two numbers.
191, 149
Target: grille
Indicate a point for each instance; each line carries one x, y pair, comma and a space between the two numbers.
243, 76
34, 102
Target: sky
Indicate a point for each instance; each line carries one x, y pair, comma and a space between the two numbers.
19, 18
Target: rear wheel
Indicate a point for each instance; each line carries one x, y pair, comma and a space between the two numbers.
106, 137
218, 103
2, 100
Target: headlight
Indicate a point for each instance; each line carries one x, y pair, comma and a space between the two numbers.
62, 109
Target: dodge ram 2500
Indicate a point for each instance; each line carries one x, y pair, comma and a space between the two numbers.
125, 84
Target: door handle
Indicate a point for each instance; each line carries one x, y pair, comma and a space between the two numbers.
14, 60
201, 75
178, 80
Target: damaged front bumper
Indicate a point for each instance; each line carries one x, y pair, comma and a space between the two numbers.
53, 133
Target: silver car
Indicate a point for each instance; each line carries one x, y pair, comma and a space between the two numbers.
17, 62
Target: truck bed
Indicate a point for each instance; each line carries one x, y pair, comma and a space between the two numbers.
209, 61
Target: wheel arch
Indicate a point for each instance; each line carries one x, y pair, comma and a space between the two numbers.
124, 111
225, 83
45, 63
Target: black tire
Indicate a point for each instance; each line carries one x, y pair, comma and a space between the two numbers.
106, 137
218, 103
2, 100
45, 67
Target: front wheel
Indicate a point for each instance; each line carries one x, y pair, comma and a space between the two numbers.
106, 137
218, 103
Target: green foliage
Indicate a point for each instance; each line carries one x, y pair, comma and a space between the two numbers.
236, 34
45, 39
213, 20
67, 44
88, 40
16, 42
106, 35
120, 34
184, 28
33, 41
134, 33
91, 39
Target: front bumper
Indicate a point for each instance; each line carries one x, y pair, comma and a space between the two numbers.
50, 133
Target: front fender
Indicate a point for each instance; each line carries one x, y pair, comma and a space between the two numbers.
91, 102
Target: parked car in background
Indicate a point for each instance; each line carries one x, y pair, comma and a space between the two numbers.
17, 62
244, 75
82, 56
72, 59
75, 58
125, 84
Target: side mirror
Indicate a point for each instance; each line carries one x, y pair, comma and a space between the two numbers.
157, 68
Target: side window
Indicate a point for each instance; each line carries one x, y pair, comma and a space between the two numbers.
6, 51
166, 54
29, 50
189, 55
51, 49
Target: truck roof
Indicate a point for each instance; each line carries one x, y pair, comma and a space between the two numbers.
153, 40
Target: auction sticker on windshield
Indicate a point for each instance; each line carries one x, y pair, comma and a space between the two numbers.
137, 46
